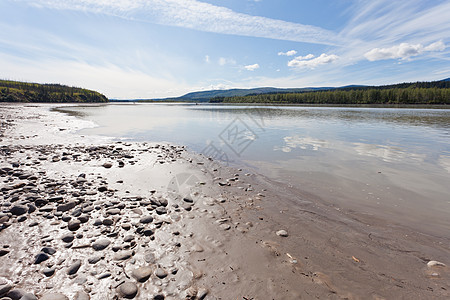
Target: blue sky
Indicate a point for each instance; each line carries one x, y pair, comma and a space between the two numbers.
163, 48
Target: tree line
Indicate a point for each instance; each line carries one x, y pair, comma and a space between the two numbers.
16, 91
437, 92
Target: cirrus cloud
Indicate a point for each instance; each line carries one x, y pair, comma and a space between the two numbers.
310, 61
403, 51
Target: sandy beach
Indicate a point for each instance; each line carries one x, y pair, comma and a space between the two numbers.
88, 217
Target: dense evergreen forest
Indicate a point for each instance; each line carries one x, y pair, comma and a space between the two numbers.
437, 92
15, 91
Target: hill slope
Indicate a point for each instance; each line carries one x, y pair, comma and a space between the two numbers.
15, 91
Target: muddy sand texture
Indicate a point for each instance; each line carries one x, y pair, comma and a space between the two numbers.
91, 218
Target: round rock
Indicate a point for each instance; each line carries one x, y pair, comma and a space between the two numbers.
101, 244
128, 290
282, 233
142, 274
54, 296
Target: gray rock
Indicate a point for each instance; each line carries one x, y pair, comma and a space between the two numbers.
128, 290
74, 267
74, 225
160, 210
15, 294
28, 296
160, 273
113, 211
67, 238
142, 274
107, 165
54, 296
66, 206
18, 209
82, 296
128, 238
146, 219
93, 260
5, 288
40, 258
282, 233
101, 244
49, 271
48, 250
123, 255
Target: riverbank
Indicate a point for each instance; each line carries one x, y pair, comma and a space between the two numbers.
84, 216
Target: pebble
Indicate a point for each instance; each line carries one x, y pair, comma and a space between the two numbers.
18, 210
49, 271
282, 233
81, 296
67, 238
107, 165
66, 206
128, 290
40, 258
74, 225
142, 274
434, 263
101, 244
73, 269
146, 219
123, 255
54, 296
161, 273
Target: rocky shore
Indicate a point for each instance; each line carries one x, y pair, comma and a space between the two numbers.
92, 218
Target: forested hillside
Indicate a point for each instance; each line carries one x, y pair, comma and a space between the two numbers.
15, 91
437, 92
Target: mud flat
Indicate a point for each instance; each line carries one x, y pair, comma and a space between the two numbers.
86, 217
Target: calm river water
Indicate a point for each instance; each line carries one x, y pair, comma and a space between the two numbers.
391, 163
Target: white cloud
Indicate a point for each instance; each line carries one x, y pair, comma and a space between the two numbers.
207, 59
198, 15
226, 61
310, 61
252, 67
403, 51
288, 53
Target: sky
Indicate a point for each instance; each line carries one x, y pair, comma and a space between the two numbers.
128, 49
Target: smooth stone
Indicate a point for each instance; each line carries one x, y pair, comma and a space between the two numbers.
113, 211
122, 255
54, 296
82, 296
101, 244
18, 210
282, 233
202, 292
108, 222
146, 219
434, 263
74, 267
160, 210
128, 238
5, 288
107, 165
15, 294
28, 296
225, 226
160, 273
142, 274
49, 271
66, 206
67, 238
40, 258
74, 225
197, 248
128, 290
93, 260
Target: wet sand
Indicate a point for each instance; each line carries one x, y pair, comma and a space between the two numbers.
85, 217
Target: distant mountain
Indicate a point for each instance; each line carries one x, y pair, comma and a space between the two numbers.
204, 96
